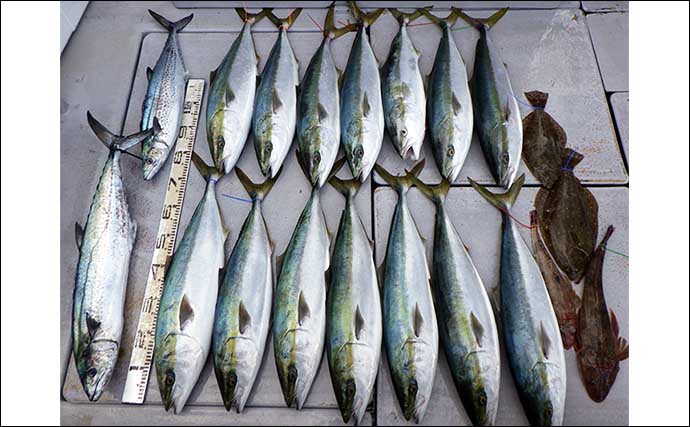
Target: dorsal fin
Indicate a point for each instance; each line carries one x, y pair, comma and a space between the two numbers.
276, 102
506, 112
614, 324
186, 313
149, 73
92, 325
78, 234
212, 76
366, 108
417, 321
546, 344
359, 323
303, 311
245, 319
457, 107
323, 114
478, 329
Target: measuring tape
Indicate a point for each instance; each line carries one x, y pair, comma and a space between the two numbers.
144, 340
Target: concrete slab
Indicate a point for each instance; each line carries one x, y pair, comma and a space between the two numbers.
619, 103
203, 52
250, 4
544, 50
470, 214
604, 6
609, 33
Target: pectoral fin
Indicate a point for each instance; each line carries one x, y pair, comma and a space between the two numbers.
186, 313
359, 323
229, 95
478, 330
323, 114
457, 107
245, 320
417, 321
212, 76
149, 73
276, 102
366, 108
92, 325
546, 344
78, 234
303, 312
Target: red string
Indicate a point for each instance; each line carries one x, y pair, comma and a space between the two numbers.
505, 211
315, 23
244, 6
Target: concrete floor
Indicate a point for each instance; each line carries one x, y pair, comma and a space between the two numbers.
548, 49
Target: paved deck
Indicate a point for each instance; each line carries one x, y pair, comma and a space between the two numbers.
552, 49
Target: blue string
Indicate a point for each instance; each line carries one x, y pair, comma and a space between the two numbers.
567, 162
527, 104
240, 198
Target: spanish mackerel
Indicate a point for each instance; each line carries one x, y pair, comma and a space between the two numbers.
361, 124
318, 125
185, 315
231, 96
404, 102
353, 307
275, 106
449, 105
410, 332
530, 329
244, 303
299, 306
105, 245
164, 97
465, 317
497, 116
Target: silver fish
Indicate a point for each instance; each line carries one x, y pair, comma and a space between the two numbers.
164, 97
465, 317
361, 109
299, 307
449, 104
105, 245
530, 329
185, 315
353, 328
244, 303
318, 125
404, 100
410, 330
231, 96
275, 106
496, 112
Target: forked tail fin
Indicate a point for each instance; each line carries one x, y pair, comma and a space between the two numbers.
435, 193
405, 18
284, 23
480, 22
330, 30
366, 19
400, 183
119, 142
255, 190
176, 26
252, 18
209, 173
501, 201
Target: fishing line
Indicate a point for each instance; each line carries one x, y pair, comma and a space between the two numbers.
132, 154
315, 23
240, 198
567, 162
505, 211
617, 253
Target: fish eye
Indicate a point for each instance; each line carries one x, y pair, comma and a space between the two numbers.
413, 387
505, 158
482, 398
149, 161
403, 132
170, 378
317, 157
91, 372
548, 410
451, 151
269, 147
358, 152
350, 389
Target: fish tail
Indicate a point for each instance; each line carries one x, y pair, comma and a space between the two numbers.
403, 17
118, 142
284, 23
442, 22
479, 23
537, 98
347, 187
253, 18
209, 173
435, 193
330, 30
501, 201
605, 239
400, 183
366, 19
176, 26
255, 190
571, 158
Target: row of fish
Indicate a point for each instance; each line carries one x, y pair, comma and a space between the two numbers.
370, 100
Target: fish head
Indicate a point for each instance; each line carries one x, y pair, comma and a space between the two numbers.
353, 374
154, 153
318, 154
506, 167
346, 390
355, 158
416, 376
95, 366
408, 136
481, 368
598, 375
544, 394
178, 362
235, 366
297, 364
